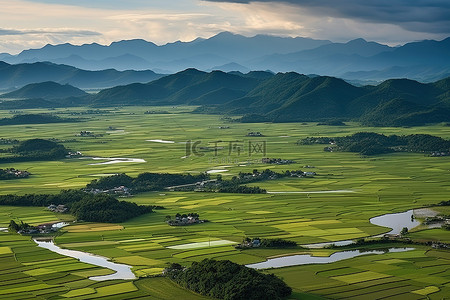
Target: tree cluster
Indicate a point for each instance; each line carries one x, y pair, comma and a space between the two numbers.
84, 206
370, 143
145, 181
36, 149
34, 119
155, 181
230, 281
13, 226
104, 208
240, 189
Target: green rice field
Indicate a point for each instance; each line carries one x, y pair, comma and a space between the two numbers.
301, 210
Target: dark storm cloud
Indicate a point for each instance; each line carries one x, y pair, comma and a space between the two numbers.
415, 15
69, 32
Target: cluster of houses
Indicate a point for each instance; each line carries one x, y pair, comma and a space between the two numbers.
57, 208
11, 173
197, 186
184, 220
277, 161
8, 141
85, 133
438, 220
308, 174
89, 112
74, 154
122, 191
40, 229
249, 243
439, 153
154, 112
256, 133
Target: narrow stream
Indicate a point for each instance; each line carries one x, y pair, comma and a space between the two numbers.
122, 271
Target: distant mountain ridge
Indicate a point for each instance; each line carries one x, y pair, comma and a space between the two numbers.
425, 61
16, 76
220, 49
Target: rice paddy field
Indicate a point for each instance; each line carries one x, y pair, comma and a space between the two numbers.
334, 205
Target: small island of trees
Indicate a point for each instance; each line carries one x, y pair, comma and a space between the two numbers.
227, 280
35, 150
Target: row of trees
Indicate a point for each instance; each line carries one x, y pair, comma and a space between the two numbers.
235, 185
227, 280
105, 208
34, 119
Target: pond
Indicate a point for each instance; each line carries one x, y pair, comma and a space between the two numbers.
307, 259
396, 221
122, 271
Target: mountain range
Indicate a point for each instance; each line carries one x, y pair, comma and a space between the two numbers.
263, 96
356, 60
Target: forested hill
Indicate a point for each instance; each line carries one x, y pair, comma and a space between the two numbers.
291, 97
187, 87
283, 97
45, 90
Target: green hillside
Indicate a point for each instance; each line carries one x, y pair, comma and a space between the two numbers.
45, 90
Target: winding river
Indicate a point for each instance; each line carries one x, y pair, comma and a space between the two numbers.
122, 271
394, 221
307, 259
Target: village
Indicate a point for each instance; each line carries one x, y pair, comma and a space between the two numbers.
26, 229
11, 173
184, 219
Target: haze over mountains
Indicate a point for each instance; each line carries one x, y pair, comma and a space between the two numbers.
358, 59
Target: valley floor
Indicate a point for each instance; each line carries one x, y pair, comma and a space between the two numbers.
304, 210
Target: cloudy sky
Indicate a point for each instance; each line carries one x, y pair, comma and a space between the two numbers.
28, 24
